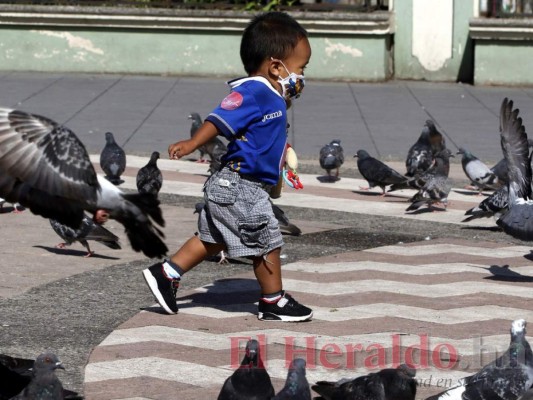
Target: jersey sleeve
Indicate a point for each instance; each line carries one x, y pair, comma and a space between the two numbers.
237, 111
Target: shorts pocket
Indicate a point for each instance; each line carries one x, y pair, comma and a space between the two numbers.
254, 231
222, 190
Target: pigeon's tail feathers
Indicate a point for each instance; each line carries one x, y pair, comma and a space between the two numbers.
416, 205
291, 229
399, 186
138, 217
115, 180
325, 389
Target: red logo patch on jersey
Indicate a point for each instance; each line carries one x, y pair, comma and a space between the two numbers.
232, 101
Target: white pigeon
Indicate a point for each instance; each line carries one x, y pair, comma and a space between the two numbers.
46, 168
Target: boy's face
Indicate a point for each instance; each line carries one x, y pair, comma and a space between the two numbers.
299, 58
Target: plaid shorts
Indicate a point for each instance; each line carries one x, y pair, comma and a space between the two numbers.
239, 214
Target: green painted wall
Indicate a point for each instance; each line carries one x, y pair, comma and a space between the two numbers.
350, 57
457, 68
504, 62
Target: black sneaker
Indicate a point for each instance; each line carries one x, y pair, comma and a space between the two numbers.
163, 288
285, 309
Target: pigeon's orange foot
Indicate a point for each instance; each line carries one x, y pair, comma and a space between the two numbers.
89, 254
61, 246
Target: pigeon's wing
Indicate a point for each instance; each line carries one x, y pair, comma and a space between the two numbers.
500, 170
66, 233
44, 167
99, 234
419, 159
516, 151
376, 171
496, 203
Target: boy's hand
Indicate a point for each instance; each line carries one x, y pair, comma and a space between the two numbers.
180, 149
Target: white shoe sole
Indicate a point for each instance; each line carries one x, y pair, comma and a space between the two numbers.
285, 318
152, 284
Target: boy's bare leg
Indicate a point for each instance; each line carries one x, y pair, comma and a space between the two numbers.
194, 251
268, 272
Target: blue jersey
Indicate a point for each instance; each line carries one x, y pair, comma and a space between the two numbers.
253, 117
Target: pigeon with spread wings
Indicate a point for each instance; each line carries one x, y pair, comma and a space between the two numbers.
46, 168
518, 220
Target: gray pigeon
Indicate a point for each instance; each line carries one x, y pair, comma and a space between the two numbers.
479, 174
112, 160
149, 177
251, 380
296, 386
16, 374
215, 148
421, 154
88, 230
441, 166
506, 378
44, 384
331, 157
518, 220
377, 173
17, 208
52, 175
436, 186
387, 384
494, 205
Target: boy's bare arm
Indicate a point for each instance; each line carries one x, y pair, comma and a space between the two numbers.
203, 135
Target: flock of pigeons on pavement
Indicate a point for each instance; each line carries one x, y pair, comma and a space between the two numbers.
44, 167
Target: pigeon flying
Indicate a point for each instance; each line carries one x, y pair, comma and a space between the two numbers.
251, 380
112, 160
518, 220
149, 177
46, 168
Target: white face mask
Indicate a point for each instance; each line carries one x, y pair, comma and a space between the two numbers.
292, 85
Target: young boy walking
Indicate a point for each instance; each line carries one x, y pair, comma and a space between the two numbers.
237, 216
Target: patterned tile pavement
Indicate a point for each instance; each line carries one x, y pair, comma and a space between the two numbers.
445, 306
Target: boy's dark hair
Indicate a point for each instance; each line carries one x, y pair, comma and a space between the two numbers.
273, 34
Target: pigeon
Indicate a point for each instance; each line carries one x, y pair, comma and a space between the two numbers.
149, 177
377, 173
16, 374
284, 224
436, 186
17, 208
112, 160
421, 154
506, 378
296, 386
251, 380
216, 149
88, 230
387, 384
44, 384
46, 168
332, 157
517, 221
479, 174
500, 168
493, 206
441, 166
